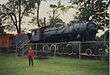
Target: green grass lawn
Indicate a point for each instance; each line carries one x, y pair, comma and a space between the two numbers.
13, 65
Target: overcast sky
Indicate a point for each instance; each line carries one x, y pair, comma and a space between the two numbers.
44, 9
2, 1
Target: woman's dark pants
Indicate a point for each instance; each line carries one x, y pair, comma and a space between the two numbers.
30, 61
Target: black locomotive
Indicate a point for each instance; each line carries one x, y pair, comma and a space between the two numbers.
65, 33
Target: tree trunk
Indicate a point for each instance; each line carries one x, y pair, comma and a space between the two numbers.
53, 17
44, 21
14, 21
19, 25
38, 5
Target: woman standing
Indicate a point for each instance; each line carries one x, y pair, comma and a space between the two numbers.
31, 55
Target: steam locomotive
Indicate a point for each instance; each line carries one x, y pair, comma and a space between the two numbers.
85, 31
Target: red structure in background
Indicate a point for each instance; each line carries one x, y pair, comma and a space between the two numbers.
6, 40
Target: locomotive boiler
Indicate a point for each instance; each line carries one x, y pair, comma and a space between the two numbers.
85, 31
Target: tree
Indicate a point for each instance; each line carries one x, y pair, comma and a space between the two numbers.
36, 19
38, 9
95, 10
54, 16
16, 10
42, 22
104, 37
1, 28
55, 22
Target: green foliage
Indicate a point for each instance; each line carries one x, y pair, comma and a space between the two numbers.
42, 22
56, 8
56, 21
95, 10
53, 6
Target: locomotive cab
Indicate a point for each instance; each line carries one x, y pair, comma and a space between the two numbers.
35, 35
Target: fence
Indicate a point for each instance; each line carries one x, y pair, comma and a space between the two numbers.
94, 49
